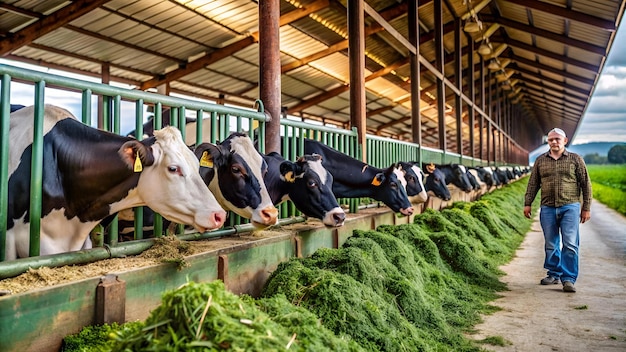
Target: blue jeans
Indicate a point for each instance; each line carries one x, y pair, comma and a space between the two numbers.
562, 238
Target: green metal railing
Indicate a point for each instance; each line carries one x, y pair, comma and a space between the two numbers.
221, 118
382, 152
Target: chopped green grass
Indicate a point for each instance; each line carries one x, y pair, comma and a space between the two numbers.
412, 287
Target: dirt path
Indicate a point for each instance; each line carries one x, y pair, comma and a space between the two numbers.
544, 318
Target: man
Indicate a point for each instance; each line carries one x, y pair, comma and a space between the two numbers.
563, 179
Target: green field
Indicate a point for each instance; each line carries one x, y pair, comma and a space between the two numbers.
609, 185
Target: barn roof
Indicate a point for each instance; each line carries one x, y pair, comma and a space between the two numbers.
549, 53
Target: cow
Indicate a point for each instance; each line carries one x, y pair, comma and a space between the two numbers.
473, 178
233, 170
414, 177
353, 178
307, 184
436, 182
484, 175
89, 174
501, 174
455, 174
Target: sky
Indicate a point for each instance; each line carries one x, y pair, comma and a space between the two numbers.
604, 120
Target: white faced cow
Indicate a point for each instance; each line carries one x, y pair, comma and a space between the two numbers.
89, 174
414, 177
307, 184
234, 171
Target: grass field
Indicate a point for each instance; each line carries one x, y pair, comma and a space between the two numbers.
609, 185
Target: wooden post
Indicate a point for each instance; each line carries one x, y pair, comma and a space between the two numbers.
110, 300
356, 55
269, 70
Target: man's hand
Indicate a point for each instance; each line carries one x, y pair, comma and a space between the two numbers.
585, 215
527, 211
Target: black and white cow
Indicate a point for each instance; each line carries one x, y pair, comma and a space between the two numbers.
473, 178
307, 184
354, 178
234, 171
485, 175
89, 174
502, 175
436, 182
414, 177
456, 174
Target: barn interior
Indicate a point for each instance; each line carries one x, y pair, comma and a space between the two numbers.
464, 76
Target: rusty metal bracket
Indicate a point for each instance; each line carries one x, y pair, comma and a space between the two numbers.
111, 300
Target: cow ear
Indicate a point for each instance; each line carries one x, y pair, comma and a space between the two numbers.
378, 179
289, 171
208, 154
136, 155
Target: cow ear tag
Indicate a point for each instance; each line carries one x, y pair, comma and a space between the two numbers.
137, 167
205, 161
430, 167
289, 177
376, 181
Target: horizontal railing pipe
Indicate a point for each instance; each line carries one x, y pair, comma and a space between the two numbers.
16, 267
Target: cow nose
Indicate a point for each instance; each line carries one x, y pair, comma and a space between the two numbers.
339, 218
218, 218
407, 212
269, 215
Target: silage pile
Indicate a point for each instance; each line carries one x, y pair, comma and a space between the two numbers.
399, 288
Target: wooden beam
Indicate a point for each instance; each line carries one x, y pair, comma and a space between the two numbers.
600, 50
567, 14
551, 69
533, 49
540, 78
229, 50
48, 24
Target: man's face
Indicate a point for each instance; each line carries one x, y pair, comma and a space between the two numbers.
556, 141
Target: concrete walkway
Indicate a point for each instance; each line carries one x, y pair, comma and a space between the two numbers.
544, 318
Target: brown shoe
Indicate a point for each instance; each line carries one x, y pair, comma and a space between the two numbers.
568, 286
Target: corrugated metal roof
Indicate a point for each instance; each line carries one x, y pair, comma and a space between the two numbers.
553, 52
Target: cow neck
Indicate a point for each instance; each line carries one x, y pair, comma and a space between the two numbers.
277, 189
96, 177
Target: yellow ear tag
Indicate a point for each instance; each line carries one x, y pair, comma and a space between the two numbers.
289, 177
138, 167
375, 182
205, 161
430, 167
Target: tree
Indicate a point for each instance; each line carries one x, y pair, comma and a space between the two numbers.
617, 154
595, 158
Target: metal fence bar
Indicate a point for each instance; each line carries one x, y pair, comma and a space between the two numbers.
5, 110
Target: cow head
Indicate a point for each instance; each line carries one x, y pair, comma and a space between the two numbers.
311, 189
169, 182
414, 177
233, 170
460, 179
436, 183
390, 188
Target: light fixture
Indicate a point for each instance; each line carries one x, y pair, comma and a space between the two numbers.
484, 48
472, 25
493, 65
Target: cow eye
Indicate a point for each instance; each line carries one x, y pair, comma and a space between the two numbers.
393, 185
173, 169
235, 170
312, 184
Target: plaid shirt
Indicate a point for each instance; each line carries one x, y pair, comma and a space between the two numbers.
562, 181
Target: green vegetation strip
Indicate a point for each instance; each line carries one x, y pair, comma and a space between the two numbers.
414, 287
609, 185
